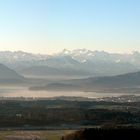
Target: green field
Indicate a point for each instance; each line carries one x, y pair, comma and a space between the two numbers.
33, 135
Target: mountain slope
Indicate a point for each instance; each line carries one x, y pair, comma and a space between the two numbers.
8, 75
46, 71
129, 83
121, 83
126, 80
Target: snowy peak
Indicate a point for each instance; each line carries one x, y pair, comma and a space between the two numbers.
66, 52
84, 55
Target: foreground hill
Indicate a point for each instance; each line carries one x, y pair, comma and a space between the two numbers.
103, 134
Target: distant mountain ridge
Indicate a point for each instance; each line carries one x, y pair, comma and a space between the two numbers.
84, 55
19, 56
81, 55
81, 62
106, 71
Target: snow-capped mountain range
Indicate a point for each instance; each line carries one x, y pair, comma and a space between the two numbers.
80, 55
83, 55
18, 56
76, 62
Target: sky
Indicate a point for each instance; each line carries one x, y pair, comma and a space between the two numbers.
49, 26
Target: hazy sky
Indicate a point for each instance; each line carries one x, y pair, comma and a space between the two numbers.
46, 26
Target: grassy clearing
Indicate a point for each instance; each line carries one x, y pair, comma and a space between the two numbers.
42, 135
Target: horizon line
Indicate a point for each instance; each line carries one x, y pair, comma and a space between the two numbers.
70, 50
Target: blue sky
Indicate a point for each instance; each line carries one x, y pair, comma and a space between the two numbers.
48, 26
